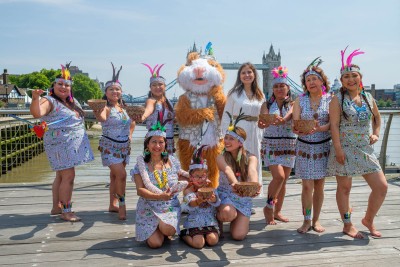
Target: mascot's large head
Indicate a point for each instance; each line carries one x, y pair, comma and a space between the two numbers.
200, 74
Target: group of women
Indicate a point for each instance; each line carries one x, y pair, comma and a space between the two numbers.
345, 118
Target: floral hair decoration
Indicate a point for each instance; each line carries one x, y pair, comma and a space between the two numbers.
155, 73
158, 129
310, 70
232, 125
197, 160
114, 81
280, 75
348, 66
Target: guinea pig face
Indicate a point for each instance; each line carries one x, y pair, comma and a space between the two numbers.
199, 76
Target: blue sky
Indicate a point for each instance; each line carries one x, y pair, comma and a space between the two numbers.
45, 33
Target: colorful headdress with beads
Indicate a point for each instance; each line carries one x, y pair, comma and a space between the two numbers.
114, 81
155, 73
158, 129
233, 122
348, 67
197, 160
280, 75
310, 70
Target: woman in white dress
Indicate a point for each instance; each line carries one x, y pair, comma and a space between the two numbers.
247, 95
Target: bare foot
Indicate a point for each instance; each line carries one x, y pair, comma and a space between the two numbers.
269, 216
112, 208
122, 213
70, 217
55, 211
317, 227
305, 227
371, 228
351, 231
278, 216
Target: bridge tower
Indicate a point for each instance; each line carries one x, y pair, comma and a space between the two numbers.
272, 60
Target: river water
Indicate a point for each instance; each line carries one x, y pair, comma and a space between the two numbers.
38, 168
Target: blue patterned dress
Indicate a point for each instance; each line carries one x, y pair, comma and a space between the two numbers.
312, 150
114, 144
66, 143
279, 142
200, 219
152, 119
354, 135
228, 197
150, 212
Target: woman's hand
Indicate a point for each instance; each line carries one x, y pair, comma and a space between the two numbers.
258, 191
340, 156
279, 121
373, 138
36, 93
213, 198
166, 195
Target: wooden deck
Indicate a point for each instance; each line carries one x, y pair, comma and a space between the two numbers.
30, 237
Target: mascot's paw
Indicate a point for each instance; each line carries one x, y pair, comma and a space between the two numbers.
209, 114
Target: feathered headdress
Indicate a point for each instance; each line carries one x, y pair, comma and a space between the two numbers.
155, 73
280, 75
197, 160
114, 81
233, 122
348, 67
208, 52
310, 70
65, 78
158, 129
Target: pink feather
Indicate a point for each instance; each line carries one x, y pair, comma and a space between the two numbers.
353, 54
342, 53
158, 70
151, 70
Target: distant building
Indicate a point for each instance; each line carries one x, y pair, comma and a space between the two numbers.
75, 70
335, 86
10, 93
273, 60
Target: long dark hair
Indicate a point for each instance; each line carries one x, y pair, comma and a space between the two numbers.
121, 102
166, 103
343, 91
238, 86
147, 158
69, 104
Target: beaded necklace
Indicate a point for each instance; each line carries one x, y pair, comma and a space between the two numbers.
362, 113
163, 183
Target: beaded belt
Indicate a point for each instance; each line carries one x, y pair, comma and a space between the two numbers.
281, 137
314, 143
116, 141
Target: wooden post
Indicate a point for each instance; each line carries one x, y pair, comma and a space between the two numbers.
382, 156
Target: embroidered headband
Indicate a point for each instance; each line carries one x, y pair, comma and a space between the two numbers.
310, 69
158, 129
114, 81
349, 67
155, 73
197, 160
232, 125
280, 75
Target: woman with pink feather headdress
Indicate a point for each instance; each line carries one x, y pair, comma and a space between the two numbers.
279, 143
157, 101
353, 112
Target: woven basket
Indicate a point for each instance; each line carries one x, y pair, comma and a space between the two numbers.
247, 189
135, 112
304, 126
267, 118
97, 104
205, 192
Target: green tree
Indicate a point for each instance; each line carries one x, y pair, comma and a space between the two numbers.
381, 103
51, 74
84, 88
389, 103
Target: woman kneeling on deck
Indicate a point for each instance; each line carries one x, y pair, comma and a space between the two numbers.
352, 152
236, 165
65, 142
156, 177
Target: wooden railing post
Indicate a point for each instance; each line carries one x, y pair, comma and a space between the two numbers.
382, 156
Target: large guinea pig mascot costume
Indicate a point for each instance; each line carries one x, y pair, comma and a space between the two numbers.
199, 110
